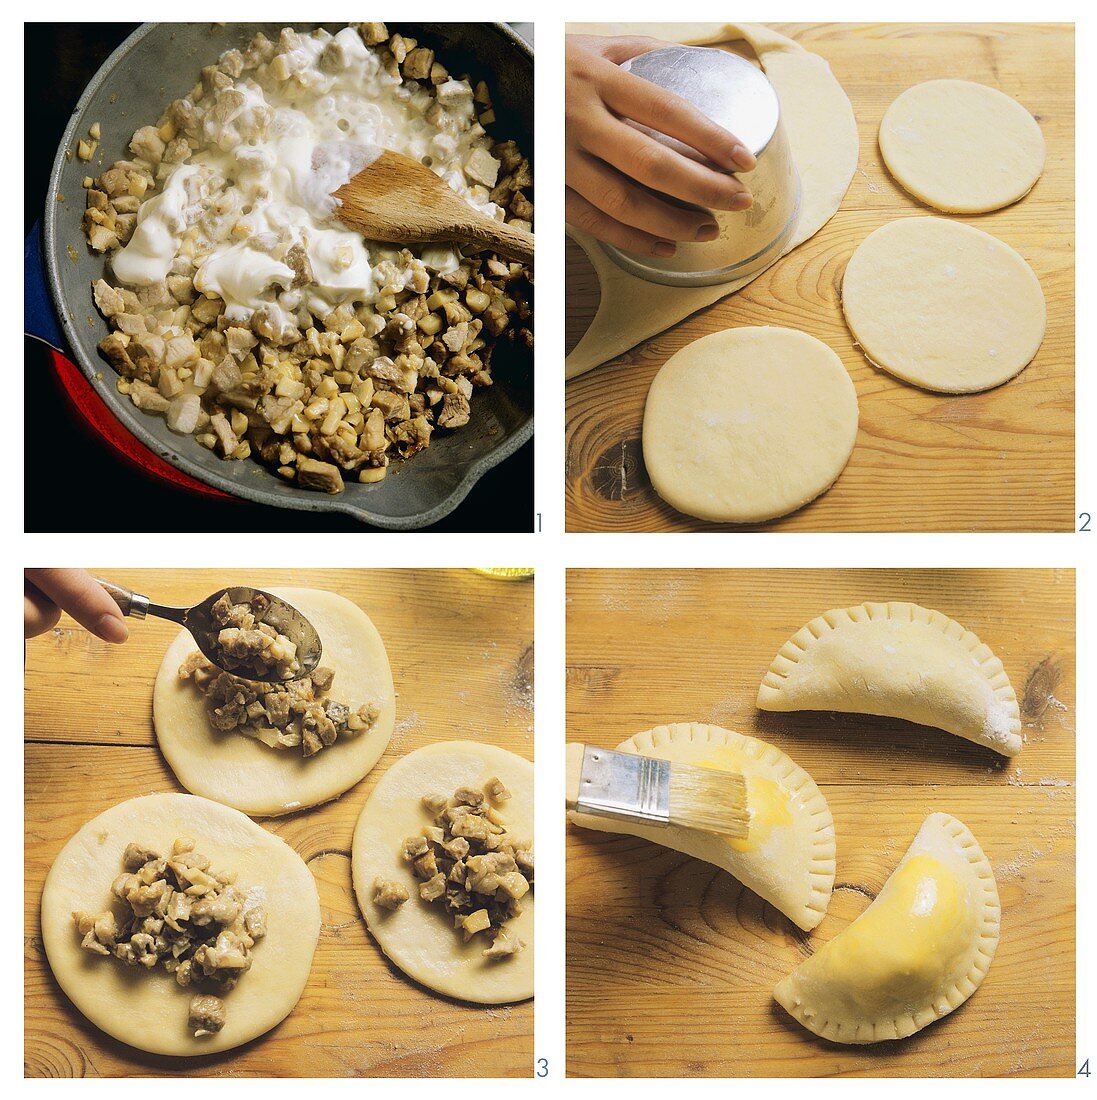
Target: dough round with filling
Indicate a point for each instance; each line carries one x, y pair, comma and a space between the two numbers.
943, 305
915, 954
419, 937
961, 147
147, 1008
748, 424
243, 772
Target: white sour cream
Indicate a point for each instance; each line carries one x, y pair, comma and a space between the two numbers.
275, 151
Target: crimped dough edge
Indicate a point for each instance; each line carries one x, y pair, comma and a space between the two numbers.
789, 655
822, 862
948, 1000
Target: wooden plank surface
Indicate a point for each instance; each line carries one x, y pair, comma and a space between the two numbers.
461, 649
671, 963
1001, 460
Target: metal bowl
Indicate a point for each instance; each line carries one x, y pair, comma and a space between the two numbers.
160, 62
738, 96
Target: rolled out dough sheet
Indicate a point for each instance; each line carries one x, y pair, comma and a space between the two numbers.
822, 132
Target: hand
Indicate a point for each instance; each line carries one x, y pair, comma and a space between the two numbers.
48, 592
610, 165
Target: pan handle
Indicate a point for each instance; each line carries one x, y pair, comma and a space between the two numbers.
39, 316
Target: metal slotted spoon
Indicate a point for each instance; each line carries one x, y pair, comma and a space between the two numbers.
285, 618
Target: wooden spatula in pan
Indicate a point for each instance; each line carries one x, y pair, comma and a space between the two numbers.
399, 201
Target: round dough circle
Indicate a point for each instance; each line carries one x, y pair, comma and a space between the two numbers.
148, 1009
419, 938
242, 772
943, 305
748, 424
961, 147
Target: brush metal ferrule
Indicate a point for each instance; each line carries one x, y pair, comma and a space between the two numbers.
618, 784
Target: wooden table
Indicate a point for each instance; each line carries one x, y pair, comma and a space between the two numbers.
996, 461
461, 648
671, 963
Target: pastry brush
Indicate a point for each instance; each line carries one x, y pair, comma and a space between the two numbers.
643, 790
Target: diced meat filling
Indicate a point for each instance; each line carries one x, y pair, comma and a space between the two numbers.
248, 644
292, 715
471, 864
178, 914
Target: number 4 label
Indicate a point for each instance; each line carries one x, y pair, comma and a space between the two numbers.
1084, 1071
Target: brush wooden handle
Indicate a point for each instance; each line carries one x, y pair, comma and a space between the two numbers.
573, 769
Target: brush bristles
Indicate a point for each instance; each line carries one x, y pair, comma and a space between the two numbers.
705, 798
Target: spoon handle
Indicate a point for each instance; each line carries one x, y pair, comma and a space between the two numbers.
130, 603
509, 242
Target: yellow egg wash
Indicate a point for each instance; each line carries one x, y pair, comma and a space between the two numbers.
904, 946
767, 801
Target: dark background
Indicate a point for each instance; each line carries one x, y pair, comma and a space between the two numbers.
73, 481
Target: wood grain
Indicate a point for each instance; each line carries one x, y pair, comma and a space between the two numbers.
996, 461
461, 648
671, 963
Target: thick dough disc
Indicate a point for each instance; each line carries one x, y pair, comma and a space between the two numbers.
242, 772
148, 1009
943, 305
419, 937
961, 147
748, 424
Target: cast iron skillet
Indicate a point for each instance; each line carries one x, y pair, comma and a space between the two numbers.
160, 62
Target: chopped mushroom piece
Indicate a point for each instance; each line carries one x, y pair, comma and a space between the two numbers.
495, 790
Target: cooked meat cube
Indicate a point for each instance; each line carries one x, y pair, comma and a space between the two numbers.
136, 856
207, 1015
503, 947
312, 474
387, 894
435, 803
414, 847
426, 866
495, 790
433, 888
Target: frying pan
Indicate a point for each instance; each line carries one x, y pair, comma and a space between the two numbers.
160, 62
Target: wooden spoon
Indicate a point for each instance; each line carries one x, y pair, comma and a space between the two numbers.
400, 201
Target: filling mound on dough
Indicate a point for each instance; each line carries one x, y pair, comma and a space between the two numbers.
471, 865
282, 716
175, 912
247, 644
